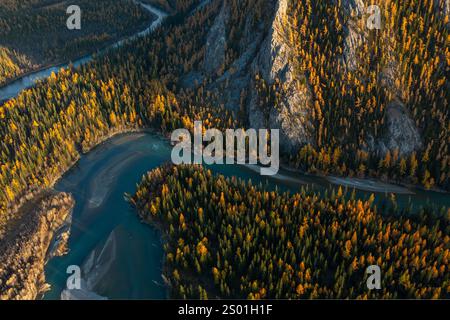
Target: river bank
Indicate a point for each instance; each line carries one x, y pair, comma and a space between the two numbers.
33, 237
104, 170
7, 92
108, 241
57, 63
137, 271
24, 253
98, 180
12, 87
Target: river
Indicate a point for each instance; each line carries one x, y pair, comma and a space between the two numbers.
14, 88
103, 222
121, 257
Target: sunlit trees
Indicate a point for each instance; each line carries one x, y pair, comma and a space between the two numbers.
45, 128
258, 243
350, 103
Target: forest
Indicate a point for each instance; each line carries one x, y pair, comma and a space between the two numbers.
140, 85
12, 64
226, 238
46, 127
406, 62
34, 33
251, 241
350, 105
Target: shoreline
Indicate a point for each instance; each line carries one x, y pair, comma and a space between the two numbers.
351, 180
24, 254
30, 195
105, 46
164, 240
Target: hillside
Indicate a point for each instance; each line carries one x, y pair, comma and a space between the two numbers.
348, 101
245, 56
33, 34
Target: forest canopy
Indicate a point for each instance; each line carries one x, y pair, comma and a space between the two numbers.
35, 34
226, 238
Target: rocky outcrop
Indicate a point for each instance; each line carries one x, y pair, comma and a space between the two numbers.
216, 43
231, 85
30, 243
442, 7
266, 56
353, 40
264, 52
275, 62
355, 37
352, 7
400, 132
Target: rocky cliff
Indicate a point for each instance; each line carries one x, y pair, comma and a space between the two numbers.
38, 235
399, 132
275, 63
264, 57
266, 82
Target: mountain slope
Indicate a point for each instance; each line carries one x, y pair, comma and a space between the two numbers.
334, 87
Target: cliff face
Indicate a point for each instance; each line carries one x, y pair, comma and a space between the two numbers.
284, 101
264, 54
400, 132
275, 64
39, 235
216, 43
356, 36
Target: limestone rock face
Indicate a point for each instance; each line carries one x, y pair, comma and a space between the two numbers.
442, 7
275, 62
264, 51
352, 7
266, 54
400, 133
353, 40
24, 252
355, 37
216, 42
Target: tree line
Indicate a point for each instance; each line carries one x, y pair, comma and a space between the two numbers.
227, 238
37, 30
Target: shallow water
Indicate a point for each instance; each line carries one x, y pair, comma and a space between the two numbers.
101, 178
98, 183
129, 253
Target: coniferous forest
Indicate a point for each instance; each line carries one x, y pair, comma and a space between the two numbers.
226, 238
349, 102
33, 34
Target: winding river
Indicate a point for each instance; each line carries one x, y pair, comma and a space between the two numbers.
120, 257
14, 88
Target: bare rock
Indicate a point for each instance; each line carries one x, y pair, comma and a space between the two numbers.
276, 62
216, 43
352, 7
400, 132
24, 251
353, 40
352, 10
